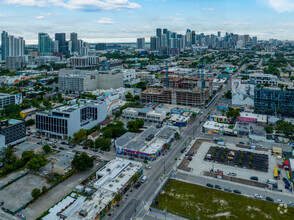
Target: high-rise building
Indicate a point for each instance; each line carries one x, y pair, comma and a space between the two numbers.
188, 38
219, 34
75, 42
193, 37
44, 44
246, 38
61, 42
141, 43
254, 40
100, 46
154, 43
158, 32
11, 46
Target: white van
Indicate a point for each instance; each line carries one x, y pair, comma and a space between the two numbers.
144, 178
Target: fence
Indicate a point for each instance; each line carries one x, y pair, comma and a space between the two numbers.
14, 180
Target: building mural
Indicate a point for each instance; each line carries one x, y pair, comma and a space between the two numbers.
242, 94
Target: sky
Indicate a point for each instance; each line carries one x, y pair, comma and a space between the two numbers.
125, 20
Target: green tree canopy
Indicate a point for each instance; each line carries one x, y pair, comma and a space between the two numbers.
135, 125
82, 162
46, 148
36, 193
80, 136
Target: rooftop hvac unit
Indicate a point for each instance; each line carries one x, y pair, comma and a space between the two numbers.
116, 180
108, 169
110, 185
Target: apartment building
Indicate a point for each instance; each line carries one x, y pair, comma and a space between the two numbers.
7, 99
273, 100
12, 132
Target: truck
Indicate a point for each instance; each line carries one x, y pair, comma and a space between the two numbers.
270, 181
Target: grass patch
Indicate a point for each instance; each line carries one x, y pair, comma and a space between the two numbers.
192, 202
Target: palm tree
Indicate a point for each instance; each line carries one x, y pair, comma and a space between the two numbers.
117, 197
135, 178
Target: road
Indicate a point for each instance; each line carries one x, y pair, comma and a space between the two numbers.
244, 189
139, 200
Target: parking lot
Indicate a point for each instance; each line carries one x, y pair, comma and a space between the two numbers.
199, 166
19, 193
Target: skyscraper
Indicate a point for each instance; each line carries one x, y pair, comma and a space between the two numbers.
44, 44
141, 43
75, 42
11, 46
219, 34
154, 43
158, 34
4, 45
61, 42
193, 37
188, 38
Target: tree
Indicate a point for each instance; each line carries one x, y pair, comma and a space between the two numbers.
30, 122
44, 189
135, 125
36, 163
12, 111
36, 193
82, 162
46, 148
193, 115
80, 136
268, 129
135, 178
228, 94
108, 133
233, 113
177, 135
28, 155
136, 97
117, 197
103, 143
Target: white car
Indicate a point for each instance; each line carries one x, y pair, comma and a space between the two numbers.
148, 167
280, 201
257, 196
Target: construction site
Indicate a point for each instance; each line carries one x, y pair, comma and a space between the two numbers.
180, 90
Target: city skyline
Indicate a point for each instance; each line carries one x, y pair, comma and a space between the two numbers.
127, 20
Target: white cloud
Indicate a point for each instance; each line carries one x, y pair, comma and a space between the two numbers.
281, 5
208, 9
176, 19
89, 5
38, 3
40, 17
231, 23
287, 24
3, 15
104, 21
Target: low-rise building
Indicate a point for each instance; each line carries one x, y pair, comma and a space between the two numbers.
253, 118
62, 162
147, 145
147, 114
213, 127
8, 99
115, 177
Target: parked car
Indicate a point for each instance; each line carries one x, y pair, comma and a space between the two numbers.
95, 150
257, 196
232, 174
144, 178
241, 142
61, 148
131, 158
148, 167
269, 199
137, 185
279, 190
217, 187
85, 148
237, 191
227, 189
209, 185
280, 201
254, 178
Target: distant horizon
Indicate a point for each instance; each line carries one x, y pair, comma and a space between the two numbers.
126, 20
